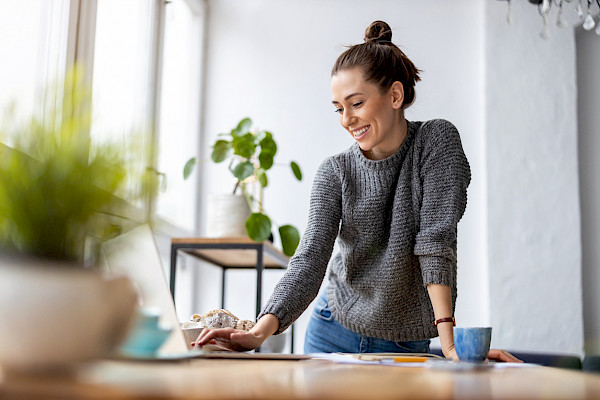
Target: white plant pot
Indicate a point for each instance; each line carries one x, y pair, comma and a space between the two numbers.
53, 316
227, 215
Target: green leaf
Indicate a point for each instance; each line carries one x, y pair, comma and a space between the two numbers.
265, 161
221, 150
242, 128
296, 170
258, 227
267, 144
262, 177
290, 238
243, 170
189, 167
244, 146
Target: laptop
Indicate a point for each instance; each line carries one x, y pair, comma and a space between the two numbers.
135, 254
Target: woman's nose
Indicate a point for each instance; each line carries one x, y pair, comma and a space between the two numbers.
347, 119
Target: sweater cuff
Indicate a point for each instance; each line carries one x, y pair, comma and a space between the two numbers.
280, 314
436, 270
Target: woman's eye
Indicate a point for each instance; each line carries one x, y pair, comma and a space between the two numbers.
339, 110
357, 104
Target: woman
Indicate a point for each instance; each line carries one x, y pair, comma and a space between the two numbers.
393, 201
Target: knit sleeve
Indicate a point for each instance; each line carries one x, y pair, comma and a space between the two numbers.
445, 176
306, 270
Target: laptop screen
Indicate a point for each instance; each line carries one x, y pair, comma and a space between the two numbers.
135, 254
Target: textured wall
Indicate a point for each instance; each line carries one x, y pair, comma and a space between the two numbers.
588, 65
534, 242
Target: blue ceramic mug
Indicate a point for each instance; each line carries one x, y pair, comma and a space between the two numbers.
472, 344
146, 336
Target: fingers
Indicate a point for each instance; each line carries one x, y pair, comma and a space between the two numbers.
227, 339
502, 355
220, 333
208, 335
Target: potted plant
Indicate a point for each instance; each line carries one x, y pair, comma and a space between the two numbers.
56, 192
251, 153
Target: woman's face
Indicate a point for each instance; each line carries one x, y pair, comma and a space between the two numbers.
372, 118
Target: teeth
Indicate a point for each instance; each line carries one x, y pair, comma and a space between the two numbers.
360, 131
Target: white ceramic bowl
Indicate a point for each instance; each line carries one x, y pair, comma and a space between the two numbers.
191, 331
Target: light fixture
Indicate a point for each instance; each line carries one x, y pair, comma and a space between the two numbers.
582, 9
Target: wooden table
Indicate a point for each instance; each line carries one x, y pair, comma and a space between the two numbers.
307, 379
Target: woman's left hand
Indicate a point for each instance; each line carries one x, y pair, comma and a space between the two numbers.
502, 355
450, 352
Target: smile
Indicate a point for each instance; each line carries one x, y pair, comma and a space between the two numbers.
358, 133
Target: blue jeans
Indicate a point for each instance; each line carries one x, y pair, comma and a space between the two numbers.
325, 335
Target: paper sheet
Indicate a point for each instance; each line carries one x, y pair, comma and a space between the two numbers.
435, 363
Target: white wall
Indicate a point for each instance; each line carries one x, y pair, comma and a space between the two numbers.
271, 60
534, 242
588, 65
512, 96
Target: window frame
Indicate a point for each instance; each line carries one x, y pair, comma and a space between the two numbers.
80, 48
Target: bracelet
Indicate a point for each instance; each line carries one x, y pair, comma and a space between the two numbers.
449, 319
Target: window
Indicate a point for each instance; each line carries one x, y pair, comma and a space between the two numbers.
144, 60
179, 110
122, 83
33, 53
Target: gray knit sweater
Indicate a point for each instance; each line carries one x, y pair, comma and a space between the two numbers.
395, 223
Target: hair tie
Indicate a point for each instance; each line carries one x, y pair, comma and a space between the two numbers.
377, 41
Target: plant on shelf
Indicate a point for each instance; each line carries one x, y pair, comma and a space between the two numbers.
251, 154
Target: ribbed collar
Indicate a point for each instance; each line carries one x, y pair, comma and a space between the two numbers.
395, 159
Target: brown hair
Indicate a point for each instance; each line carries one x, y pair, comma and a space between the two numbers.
381, 61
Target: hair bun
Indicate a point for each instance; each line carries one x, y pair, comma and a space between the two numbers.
378, 32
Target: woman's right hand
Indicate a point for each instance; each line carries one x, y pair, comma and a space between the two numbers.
239, 340
229, 339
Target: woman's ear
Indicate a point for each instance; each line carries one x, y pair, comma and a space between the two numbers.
397, 92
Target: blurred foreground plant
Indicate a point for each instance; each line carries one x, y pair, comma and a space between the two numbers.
56, 184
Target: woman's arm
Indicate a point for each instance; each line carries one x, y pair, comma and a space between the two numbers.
445, 175
441, 300
302, 280
300, 284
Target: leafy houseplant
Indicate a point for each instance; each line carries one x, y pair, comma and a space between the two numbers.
251, 154
57, 190
56, 186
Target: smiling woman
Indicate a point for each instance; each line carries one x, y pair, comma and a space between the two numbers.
392, 202
363, 112
364, 79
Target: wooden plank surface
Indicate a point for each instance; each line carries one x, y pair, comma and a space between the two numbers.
232, 258
310, 379
226, 240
